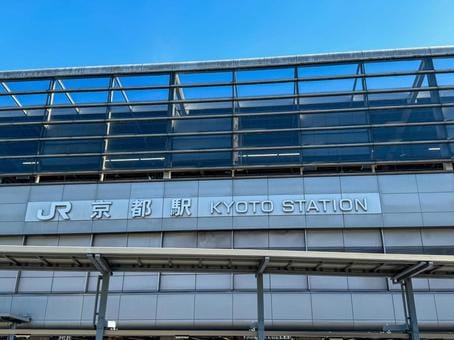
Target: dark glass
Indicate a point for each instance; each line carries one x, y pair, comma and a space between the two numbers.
18, 131
269, 122
16, 166
69, 164
202, 159
406, 152
138, 127
135, 162
408, 133
202, 125
334, 119
137, 144
269, 157
18, 148
413, 115
72, 146
347, 136
337, 155
201, 142
269, 139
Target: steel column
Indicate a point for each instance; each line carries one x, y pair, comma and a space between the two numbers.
102, 322
12, 336
409, 302
260, 307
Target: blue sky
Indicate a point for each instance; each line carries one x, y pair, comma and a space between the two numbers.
56, 33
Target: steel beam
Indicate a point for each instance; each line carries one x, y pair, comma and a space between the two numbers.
410, 308
101, 323
260, 307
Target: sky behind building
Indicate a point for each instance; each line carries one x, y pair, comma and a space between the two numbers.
46, 33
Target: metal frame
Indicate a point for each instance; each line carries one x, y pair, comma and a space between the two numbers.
106, 260
176, 97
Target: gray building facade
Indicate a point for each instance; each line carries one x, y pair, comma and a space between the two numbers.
340, 152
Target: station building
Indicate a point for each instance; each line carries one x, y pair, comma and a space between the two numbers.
344, 152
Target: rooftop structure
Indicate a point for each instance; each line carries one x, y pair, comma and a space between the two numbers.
361, 111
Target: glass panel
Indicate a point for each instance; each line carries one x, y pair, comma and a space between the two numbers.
346, 136
327, 70
22, 165
203, 109
270, 139
412, 115
392, 66
201, 142
203, 159
411, 152
265, 74
270, 105
400, 98
72, 146
448, 112
133, 162
202, 125
408, 133
447, 96
334, 119
18, 115
17, 131
69, 164
443, 63
138, 127
269, 122
65, 114
18, 148
139, 111
270, 157
137, 144
337, 155
75, 129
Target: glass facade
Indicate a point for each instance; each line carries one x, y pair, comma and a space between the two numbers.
363, 112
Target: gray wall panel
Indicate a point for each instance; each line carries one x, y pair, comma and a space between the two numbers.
350, 184
291, 306
435, 182
286, 186
64, 307
373, 306
397, 184
332, 307
14, 194
175, 307
138, 307
207, 309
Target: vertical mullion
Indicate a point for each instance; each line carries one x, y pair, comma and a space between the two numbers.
108, 126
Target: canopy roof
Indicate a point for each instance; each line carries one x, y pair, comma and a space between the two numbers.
126, 259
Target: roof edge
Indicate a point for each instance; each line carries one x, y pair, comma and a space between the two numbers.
230, 63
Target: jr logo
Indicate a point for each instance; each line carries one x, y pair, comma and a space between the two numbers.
63, 208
